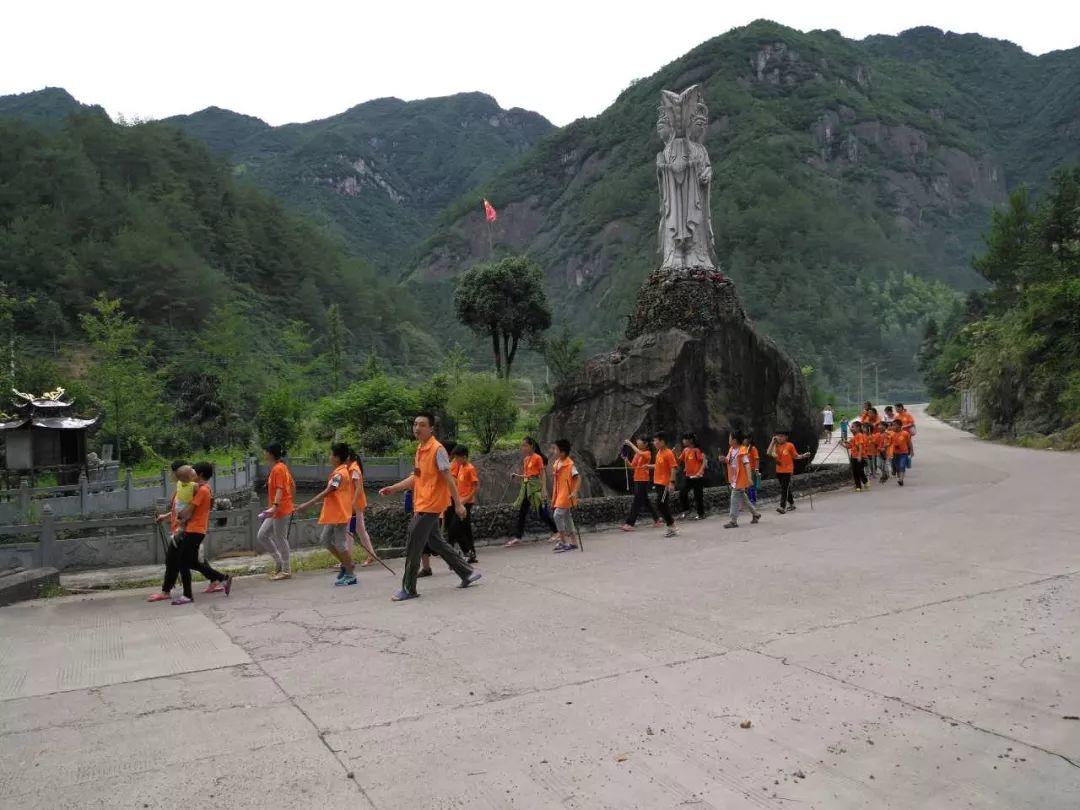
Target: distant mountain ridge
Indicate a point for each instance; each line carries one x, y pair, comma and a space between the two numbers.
48, 107
847, 176
379, 173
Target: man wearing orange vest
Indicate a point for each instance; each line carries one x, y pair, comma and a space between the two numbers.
434, 488
337, 510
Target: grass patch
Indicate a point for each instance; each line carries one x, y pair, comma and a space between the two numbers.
53, 591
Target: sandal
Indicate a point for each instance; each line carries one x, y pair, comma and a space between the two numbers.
513, 541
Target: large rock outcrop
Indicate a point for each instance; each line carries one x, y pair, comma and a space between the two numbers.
691, 362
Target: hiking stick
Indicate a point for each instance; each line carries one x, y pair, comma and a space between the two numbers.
161, 537
810, 469
580, 543
379, 560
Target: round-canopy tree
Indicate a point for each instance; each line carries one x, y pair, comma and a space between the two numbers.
505, 301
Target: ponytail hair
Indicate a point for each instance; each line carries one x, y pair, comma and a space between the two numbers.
529, 440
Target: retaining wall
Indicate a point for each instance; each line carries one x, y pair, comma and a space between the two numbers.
134, 541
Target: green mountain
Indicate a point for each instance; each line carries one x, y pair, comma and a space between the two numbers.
47, 108
852, 181
379, 173
233, 290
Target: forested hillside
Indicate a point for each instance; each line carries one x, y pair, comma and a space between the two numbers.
1016, 346
233, 293
379, 173
851, 184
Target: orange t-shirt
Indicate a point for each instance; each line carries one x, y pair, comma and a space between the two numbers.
563, 473
906, 419
201, 502
665, 463
855, 445
881, 441
280, 478
356, 476
785, 457
431, 493
738, 468
533, 466
755, 458
692, 460
337, 505
899, 442
466, 478
640, 465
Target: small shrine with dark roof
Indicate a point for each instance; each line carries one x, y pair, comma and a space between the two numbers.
45, 433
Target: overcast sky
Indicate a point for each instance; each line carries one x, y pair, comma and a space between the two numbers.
304, 60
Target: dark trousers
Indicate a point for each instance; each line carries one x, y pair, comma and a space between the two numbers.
697, 486
523, 513
785, 489
641, 501
424, 533
663, 503
459, 530
858, 472
182, 558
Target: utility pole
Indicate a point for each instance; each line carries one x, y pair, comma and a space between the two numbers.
877, 385
861, 400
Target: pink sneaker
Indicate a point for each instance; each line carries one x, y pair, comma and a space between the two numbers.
214, 587
182, 600
626, 527
158, 597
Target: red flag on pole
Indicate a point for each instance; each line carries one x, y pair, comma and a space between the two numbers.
489, 212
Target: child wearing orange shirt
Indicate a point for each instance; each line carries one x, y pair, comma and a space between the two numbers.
274, 532
357, 527
663, 483
739, 473
468, 484
693, 464
534, 492
856, 447
907, 424
565, 482
899, 450
640, 462
755, 467
337, 508
786, 455
881, 448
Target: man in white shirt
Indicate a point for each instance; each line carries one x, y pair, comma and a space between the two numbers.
827, 422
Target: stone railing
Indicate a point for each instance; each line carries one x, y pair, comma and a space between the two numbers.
128, 494
85, 544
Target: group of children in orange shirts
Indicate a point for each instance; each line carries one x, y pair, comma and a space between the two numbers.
444, 493
879, 444
742, 467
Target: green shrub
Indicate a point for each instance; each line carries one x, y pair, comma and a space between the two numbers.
279, 416
484, 404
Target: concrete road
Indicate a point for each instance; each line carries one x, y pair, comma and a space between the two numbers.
902, 648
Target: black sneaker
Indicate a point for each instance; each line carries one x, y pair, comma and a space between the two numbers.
781, 511
424, 572
472, 559
755, 518
791, 508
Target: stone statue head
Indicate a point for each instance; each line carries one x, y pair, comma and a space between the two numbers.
664, 127
699, 121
